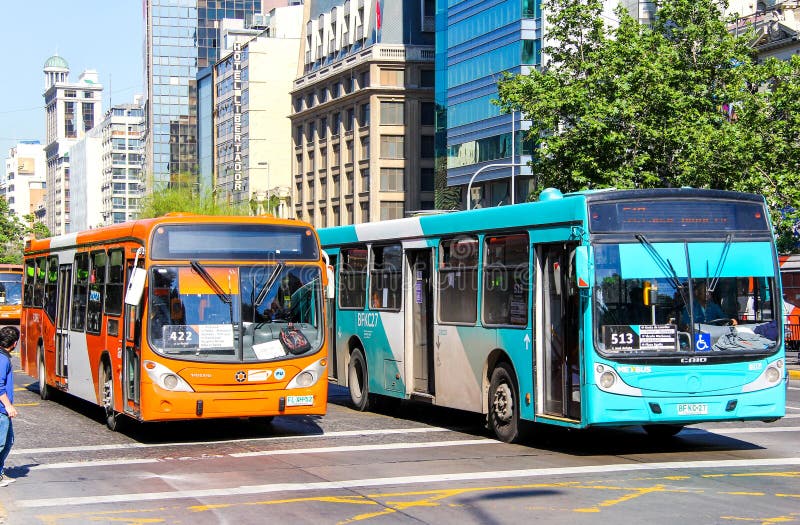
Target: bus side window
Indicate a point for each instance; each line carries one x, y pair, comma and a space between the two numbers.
50, 288
30, 278
352, 278
115, 286
506, 280
80, 292
458, 280
97, 283
38, 287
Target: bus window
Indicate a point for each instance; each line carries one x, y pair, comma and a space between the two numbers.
352, 278
386, 283
506, 280
458, 280
97, 281
30, 278
115, 284
38, 286
80, 292
50, 292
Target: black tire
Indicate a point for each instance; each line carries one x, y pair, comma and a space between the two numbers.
358, 380
504, 404
662, 431
45, 390
113, 418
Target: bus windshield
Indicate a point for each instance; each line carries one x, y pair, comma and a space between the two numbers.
10, 289
235, 314
677, 298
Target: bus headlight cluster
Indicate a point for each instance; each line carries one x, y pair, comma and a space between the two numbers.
607, 379
772, 374
768, 378
309, 376
166, 378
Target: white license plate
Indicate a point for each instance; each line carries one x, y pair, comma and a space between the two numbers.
692, 409
299, 401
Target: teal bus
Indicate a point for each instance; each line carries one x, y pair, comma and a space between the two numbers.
653, 307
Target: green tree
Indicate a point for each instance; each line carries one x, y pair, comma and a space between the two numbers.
12, 233
179, 198
632, 105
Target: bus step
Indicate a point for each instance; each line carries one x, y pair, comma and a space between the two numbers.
421, 397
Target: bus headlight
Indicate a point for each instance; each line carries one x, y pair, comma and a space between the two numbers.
607, 379
772, 374
166, 378
309, 376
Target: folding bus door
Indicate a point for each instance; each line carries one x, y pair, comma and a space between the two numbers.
559, 352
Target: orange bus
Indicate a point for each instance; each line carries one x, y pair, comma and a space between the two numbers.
180, 317
10, 293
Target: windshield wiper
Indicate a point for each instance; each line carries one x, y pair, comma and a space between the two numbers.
664, 264
226, 297
720, 264
262, 293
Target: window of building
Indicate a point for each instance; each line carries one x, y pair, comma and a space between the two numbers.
427, 113
336, 187
350, 120
350, 155
88, 116
506, 280
458, 280
392, 147
364, 148
386, 277
391, 210
364, 115
426, 146
364, 205
392, 179
323, 128
364, 79
364, 179
336, 123
426, 77
426, 179
392, 113
353, 277
393, 77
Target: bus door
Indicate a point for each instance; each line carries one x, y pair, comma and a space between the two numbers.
330, 311
62, 321
558, 351
420, 318
131, 357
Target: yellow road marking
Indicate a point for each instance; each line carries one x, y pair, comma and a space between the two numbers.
26, 404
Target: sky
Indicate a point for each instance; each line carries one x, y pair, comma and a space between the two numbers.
104, 35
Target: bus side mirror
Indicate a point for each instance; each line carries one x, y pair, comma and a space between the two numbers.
133, 294
582, 267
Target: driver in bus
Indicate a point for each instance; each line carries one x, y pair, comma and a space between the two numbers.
705, 309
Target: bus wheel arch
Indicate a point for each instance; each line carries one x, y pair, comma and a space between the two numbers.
45, 390
495, 356
503, 416
358, 376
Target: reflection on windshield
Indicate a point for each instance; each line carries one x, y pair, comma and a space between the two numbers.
272, 314
641, 308
10, 293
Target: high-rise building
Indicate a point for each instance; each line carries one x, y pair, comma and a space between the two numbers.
71, 111
181, 37
23, 181
253, 134
121, 185
362, 112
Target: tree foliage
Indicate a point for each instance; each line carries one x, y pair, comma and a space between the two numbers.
13, 232
680, 103
184, 199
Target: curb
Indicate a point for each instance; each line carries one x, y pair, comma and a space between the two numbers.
794, 374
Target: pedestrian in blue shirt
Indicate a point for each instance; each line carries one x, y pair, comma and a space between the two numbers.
8, 340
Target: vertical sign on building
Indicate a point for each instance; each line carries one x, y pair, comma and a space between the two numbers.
237, 117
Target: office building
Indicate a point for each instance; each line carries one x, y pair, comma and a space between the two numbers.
121, 184
23, 180
252, 131
363, 112
71, 111
181, 37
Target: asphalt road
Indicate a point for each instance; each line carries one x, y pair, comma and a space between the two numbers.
420, 464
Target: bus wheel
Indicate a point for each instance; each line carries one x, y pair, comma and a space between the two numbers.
503, 405
358, 380
44, 389
107, 399
662, 431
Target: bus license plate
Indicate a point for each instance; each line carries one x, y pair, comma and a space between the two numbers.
299, 401
692, 409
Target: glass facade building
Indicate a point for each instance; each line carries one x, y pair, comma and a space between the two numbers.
181, 37
477, 41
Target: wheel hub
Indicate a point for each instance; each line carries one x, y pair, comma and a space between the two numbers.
502, 404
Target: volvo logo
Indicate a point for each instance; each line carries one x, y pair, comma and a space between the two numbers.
240, 376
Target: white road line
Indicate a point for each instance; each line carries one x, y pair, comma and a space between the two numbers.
401, 480
792, 408
363, 448
130, 446
287, 452
742, 430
